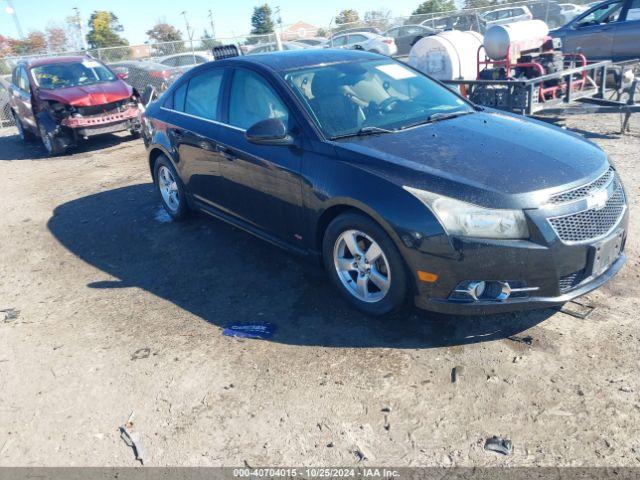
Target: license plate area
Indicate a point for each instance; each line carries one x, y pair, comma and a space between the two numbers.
605, 253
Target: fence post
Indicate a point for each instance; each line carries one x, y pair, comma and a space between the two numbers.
278, 41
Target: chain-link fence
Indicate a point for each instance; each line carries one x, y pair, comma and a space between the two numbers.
159, 64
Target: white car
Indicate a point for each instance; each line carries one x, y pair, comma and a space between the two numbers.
186, 59
371, 42
501, 16
571, 10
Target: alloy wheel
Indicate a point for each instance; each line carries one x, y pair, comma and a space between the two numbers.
168, 188
362, 266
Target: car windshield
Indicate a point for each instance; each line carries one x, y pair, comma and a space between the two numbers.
73, 74
346, 98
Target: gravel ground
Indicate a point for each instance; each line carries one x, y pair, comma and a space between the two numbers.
117, 310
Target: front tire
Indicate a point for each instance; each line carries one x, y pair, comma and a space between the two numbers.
170, 188
52, 144
364, 264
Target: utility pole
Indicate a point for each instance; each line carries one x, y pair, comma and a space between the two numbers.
12, 11
83, 37
213, 27
278, 18
189, 33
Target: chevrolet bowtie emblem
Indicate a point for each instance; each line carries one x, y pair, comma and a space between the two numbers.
598, 200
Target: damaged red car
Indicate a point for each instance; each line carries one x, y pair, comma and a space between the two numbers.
63, 100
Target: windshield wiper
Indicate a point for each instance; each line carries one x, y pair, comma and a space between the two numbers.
363, 132
436, 117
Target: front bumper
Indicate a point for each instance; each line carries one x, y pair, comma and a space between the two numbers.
103, 120
544, 262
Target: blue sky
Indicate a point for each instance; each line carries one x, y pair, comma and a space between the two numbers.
230, 17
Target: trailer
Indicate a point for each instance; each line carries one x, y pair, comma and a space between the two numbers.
600, 87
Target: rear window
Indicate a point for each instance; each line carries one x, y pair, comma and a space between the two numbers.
203, 93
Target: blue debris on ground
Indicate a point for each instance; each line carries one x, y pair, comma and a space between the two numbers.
263, 330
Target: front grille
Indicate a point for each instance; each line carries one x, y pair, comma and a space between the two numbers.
568, 282
584, 191
593, 223
113, 107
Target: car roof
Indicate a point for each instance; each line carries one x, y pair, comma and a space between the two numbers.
36, 62
202, 53
295, 59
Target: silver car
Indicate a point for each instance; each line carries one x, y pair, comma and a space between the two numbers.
371, 42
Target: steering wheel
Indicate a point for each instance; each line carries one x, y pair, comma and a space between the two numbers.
387, 103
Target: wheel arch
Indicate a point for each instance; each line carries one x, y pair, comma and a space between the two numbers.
341, 206
154, 153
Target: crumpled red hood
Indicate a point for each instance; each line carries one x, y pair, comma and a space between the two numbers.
89, 95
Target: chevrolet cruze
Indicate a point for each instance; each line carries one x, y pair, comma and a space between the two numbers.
402, 188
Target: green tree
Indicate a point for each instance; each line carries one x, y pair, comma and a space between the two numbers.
163, 32
435, 6
347, 16
208, 42
167, 39
261, 20
103, 30
431, 6
479, 3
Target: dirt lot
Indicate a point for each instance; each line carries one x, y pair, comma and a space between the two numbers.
121, 311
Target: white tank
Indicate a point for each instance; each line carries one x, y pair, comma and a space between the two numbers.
450, 55
519, 36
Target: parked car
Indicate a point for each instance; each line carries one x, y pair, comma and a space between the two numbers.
406, 36
371, 42
187, 59
5, 106
502, 16
140, 74
463, 21
312, 42
64, 99
607, 31
548, 11
273, 47
342, 31
571, 11
400, 186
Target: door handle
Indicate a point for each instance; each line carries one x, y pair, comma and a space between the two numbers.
225, 152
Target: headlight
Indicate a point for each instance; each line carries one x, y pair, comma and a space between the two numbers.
468, 220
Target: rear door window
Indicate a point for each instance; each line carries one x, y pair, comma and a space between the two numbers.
203, 94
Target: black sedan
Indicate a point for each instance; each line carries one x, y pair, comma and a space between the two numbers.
400, 186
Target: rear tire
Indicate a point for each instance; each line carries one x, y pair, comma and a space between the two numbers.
364, 264
170, 189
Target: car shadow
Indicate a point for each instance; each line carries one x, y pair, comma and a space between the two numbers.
224, 275
12, 148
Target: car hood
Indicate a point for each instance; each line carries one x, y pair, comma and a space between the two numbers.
88, 95
491, 154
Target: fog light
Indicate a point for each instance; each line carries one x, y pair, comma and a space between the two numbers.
476, 289
485, 290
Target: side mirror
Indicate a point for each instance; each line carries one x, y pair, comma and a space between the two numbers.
149, 95
122, 75
269, 132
